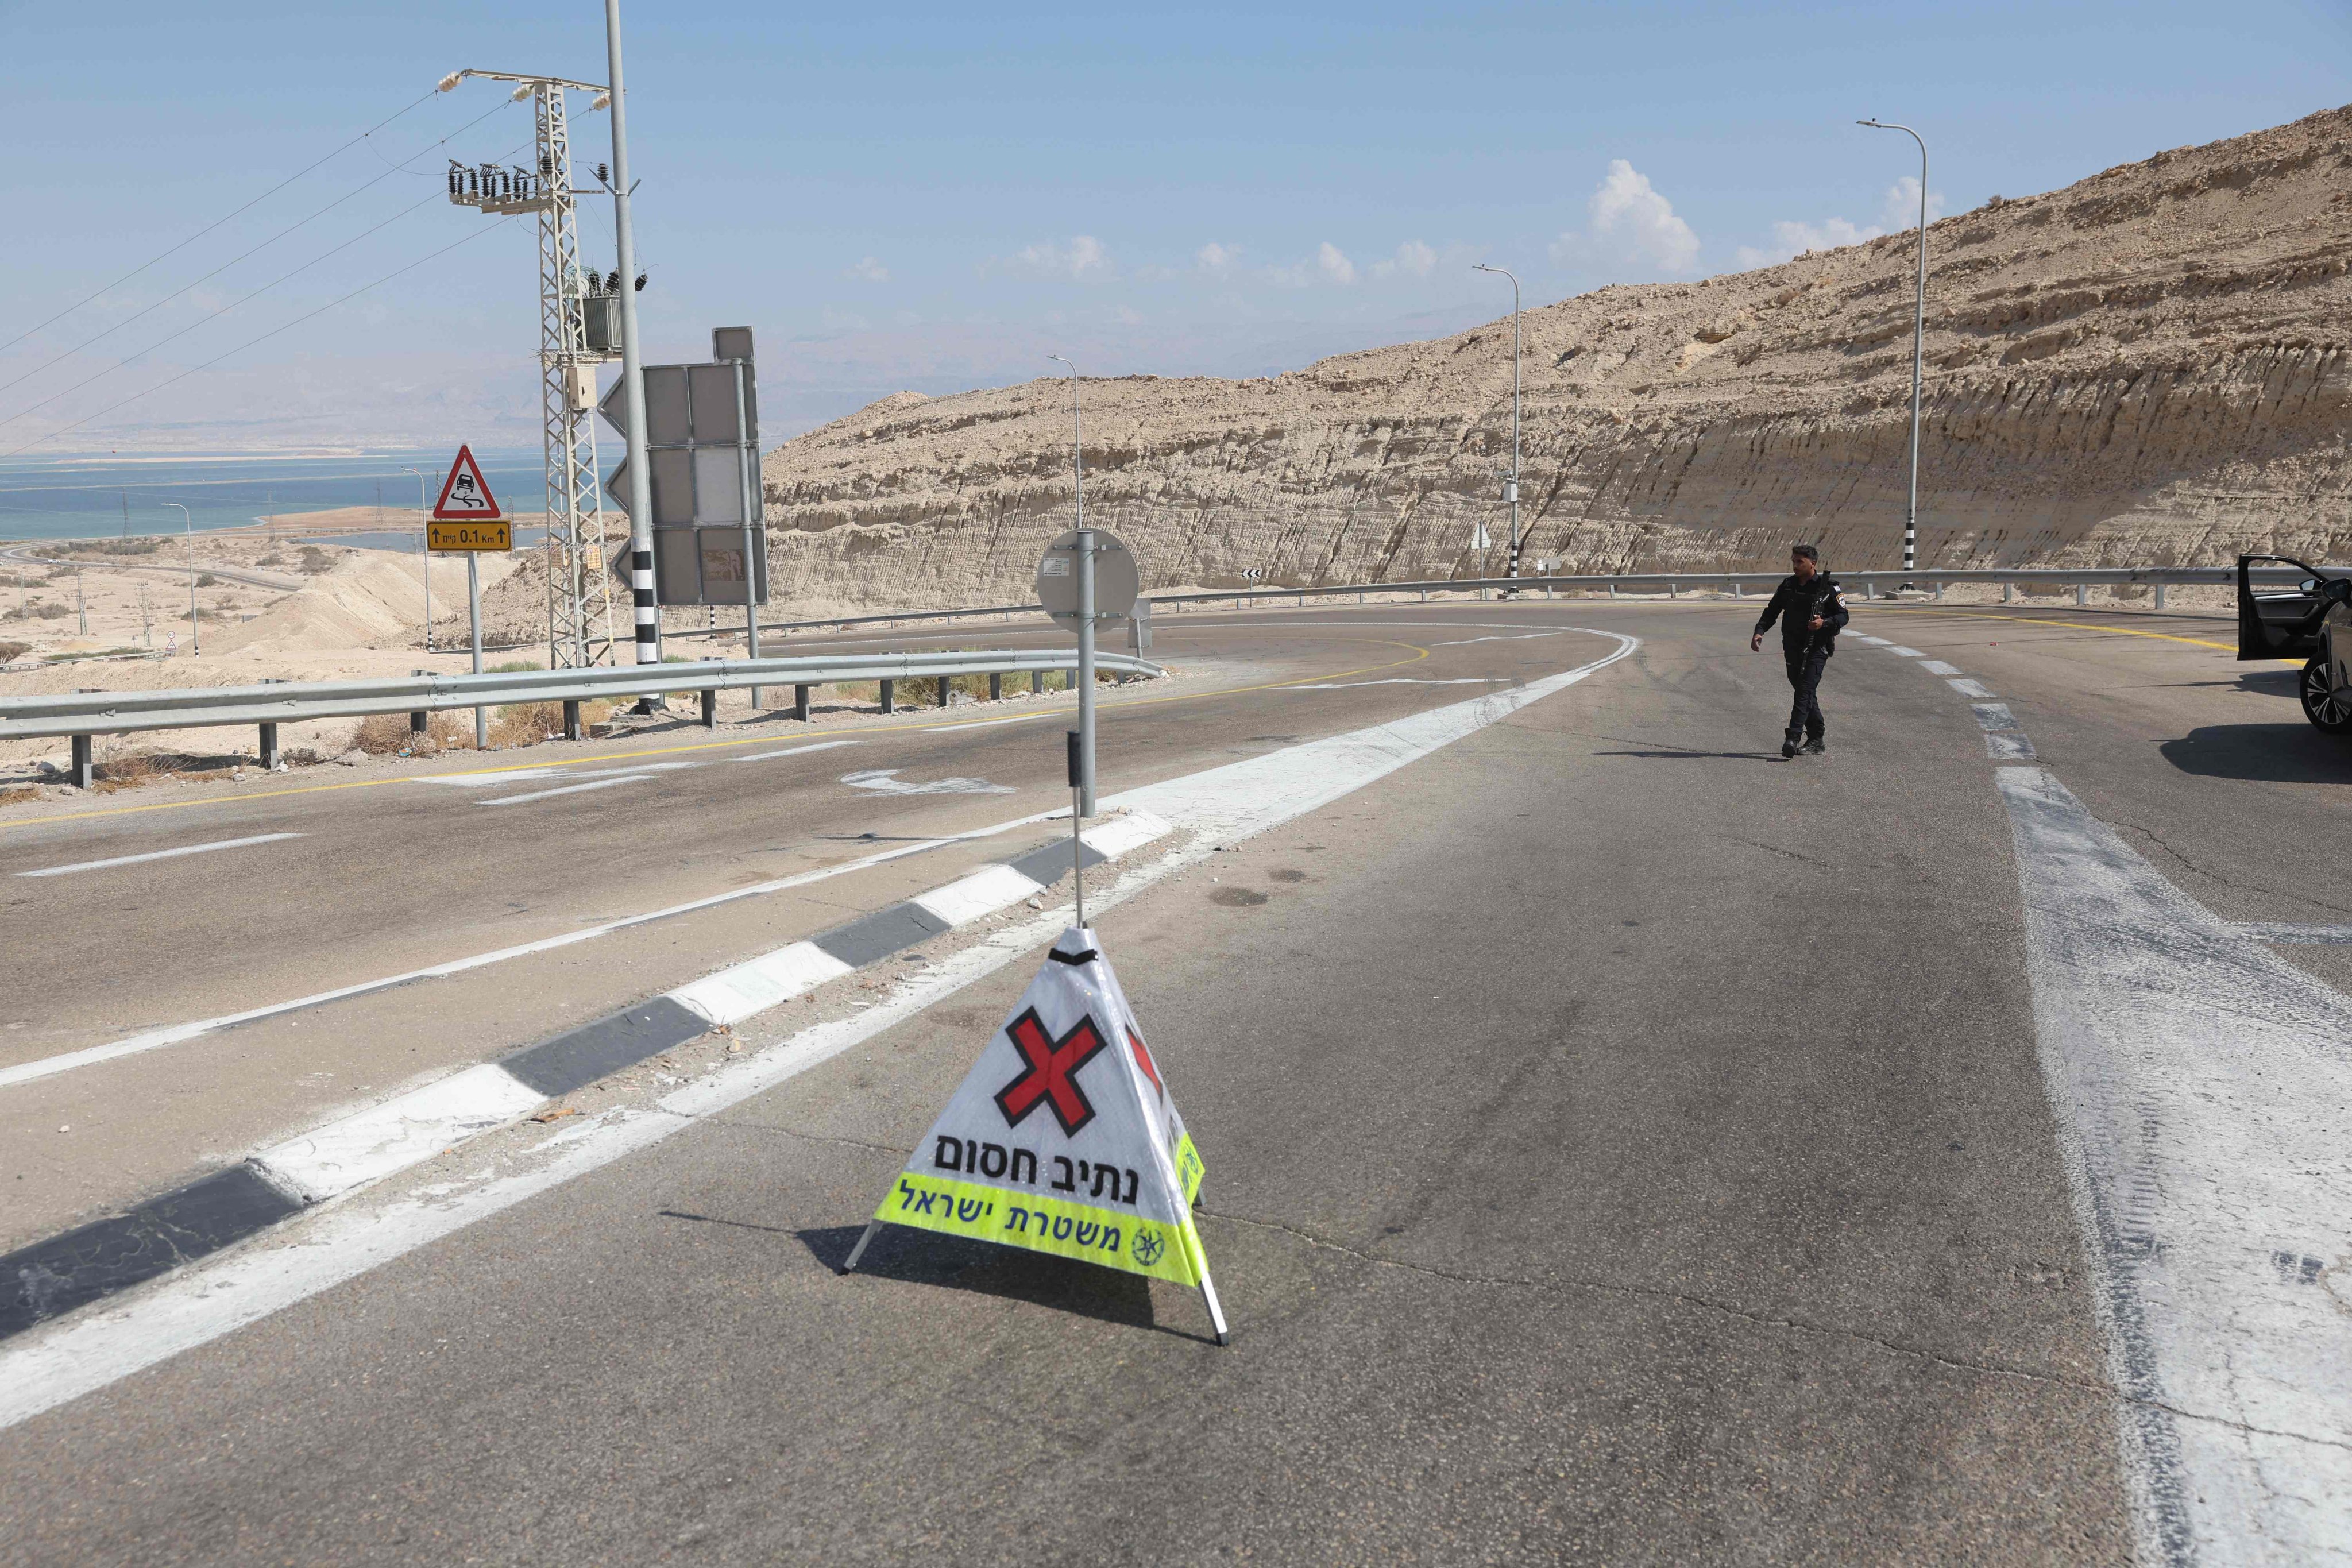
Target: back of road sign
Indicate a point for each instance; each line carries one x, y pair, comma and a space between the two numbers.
1064, 1138
1115, 578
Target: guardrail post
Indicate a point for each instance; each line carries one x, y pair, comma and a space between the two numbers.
2009, 593
419, 720
943, 691
270, 747
995, 684
85, 771
1939, 593
1424, 596
710, 709
890, 697
1674, 590
2081, 594
2159, 596
1736, 592
800, 702
1612, 590
572, 718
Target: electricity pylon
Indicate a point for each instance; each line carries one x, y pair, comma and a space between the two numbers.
579, 588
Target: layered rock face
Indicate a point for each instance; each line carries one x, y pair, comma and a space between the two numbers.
2149, 367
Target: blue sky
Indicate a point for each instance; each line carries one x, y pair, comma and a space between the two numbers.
935, 196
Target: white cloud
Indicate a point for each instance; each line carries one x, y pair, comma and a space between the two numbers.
1791, 238
868, 270
1902, 208
1411, 257
1336, 267
1216, 259
1082, 258
1633, 225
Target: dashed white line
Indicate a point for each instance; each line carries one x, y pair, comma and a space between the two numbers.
1938, 667
1396, 680
1902, 652
982, 724
1969, 687
1521, 637
158, 855
792, 751
566, 789
2009, 746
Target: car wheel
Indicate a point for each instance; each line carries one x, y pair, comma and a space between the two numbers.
2319, 703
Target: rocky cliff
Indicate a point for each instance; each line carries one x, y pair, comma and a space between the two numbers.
2148, 366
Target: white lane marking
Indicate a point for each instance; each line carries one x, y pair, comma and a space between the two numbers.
1874, 642
2009, 746
77, 1355
173, 1035
792, 751
975, 897
497, 778
1993, 716
1938, 667
1466, 642
984, 723
368, 1145
158, 855
884, 781
1969, 687
2294, 933
565, 789
2199, 1083
736, 993
634, 768
1905, 652
1396, 680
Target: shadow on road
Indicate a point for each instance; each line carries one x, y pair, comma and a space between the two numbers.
2263, 754
923, 1258
1717, 756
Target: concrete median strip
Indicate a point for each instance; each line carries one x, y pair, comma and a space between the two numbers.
215, 1296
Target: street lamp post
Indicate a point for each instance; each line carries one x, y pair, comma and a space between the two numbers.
1918, 348
195, 640
1511, 488
1085, 806
425, 540
639, 500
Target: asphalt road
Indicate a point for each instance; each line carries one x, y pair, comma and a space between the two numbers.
1623, 1144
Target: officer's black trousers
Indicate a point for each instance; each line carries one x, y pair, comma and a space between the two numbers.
1805, 668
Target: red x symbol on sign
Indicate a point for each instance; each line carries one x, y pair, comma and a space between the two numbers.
1051, 1066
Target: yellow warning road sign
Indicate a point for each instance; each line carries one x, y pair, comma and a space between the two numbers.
469, 535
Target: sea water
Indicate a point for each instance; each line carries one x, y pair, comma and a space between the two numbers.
108, 496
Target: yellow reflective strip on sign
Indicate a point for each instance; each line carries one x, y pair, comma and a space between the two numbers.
1123, 1241
1189, 1169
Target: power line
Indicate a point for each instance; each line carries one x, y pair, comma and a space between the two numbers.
191, 239
225, 266
224, 310
262, 339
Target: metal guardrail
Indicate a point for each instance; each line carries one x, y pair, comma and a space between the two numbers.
1871, 582
84, 714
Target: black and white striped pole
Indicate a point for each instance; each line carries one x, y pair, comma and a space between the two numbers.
633, 374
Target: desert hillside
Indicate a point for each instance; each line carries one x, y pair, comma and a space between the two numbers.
2146, 366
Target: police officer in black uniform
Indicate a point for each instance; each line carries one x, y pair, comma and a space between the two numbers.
1810, 609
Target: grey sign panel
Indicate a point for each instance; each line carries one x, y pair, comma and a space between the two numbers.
673, 472
616, 406
713, 389
666, 419
718, 484
731, 343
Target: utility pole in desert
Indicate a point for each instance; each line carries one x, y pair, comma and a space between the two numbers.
1919, 351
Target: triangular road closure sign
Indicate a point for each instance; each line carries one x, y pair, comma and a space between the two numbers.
465, 494
1064, 1138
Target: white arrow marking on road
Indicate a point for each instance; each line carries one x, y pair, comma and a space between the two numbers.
883, 780
159, 855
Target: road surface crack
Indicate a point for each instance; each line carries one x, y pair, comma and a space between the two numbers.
1799, 1325
2158, 840
900, 1155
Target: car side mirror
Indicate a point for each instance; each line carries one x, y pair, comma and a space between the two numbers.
2337, 590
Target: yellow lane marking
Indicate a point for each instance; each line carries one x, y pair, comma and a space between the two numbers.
768, 740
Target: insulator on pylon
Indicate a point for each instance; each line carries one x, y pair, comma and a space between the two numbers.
456, 179
546, 163
640, 282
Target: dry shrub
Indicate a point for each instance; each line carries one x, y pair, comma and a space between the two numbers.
128, 771
18, 795
528, 723
12, 651
388, 734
